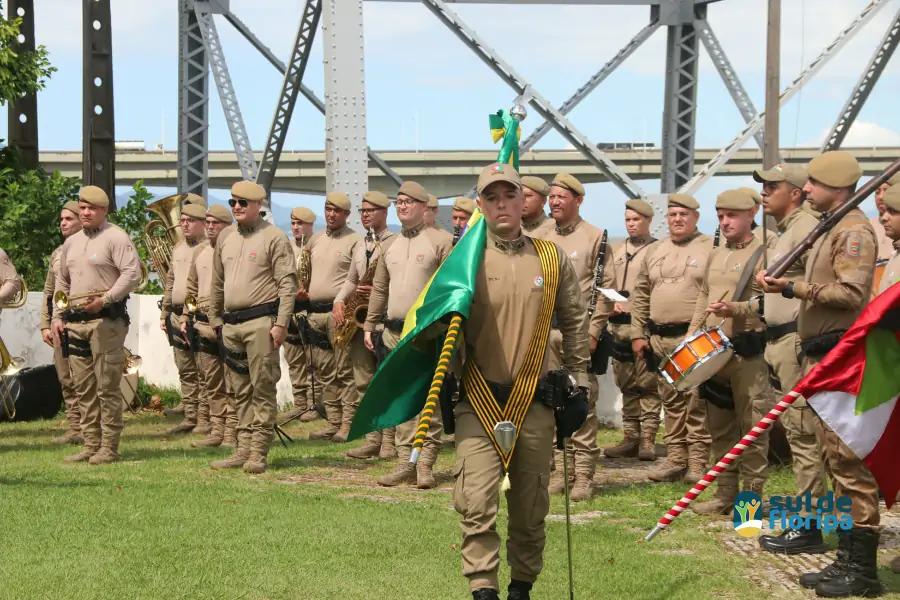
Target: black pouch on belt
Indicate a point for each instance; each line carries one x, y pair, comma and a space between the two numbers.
717, 394
448, 390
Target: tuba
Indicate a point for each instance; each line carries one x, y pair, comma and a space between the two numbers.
18, 301
356, 306
9, 365
163, 233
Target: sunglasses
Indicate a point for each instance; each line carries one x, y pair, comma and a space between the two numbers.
240, 201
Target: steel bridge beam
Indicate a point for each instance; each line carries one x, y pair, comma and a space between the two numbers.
98, 118
193, 104
22, 116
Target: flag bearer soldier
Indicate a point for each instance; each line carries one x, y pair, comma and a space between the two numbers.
252, 297
535, 222
409, 262
100, 258
663, 301
836, 287
641, 405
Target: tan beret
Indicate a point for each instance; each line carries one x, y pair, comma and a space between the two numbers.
94, 196
248, 191
537, 184
196, 211
464, 204
195, 199
894, 180
567, 182
414, 191
339, 199
71, 206
837, 169
497, 172
432, 201
301, 213
794, 174
641, 207
757, 199
892, 197
684, 201
377, 198
735, 200
217, 211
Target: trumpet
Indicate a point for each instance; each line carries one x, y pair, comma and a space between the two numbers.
18, 301
190, 304
63, 301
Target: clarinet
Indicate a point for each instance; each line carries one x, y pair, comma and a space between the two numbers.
456, 231
716, 239
598, 274
601, 354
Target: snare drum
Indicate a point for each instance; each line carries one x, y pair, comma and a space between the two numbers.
696, 359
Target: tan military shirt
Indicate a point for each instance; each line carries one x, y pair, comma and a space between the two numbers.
50, 287
627, 258
9, 282
540, 227
724, 268
331, 253
891, 273
885, 244
668, 282
509, 288
176, 285
839, 276
94, 260
361, 264
792, 229
771, 237
409, 262
581, 243
253, 265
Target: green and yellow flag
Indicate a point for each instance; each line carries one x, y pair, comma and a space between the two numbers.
505, 127
399, 389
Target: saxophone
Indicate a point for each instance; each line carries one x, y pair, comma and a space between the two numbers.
303, 264
356, 306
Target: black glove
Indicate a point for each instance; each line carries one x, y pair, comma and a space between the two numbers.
572, 416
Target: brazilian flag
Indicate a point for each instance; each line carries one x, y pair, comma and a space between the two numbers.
505, 127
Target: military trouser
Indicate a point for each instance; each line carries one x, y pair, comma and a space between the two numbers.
799, 420
296, 357
641, 404
212, 379
255, 390
582, 447
849, 475
684, 413
188, 372
97, 379
476, 496
67, 385
334, 375
362, 361
748, 379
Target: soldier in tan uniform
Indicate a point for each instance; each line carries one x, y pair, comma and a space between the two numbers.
641, 404
663, 300
739, 395
69, 224
885, 244
9, 279
100, 258
251, 300
837, 286
213, 385
581, 242
296, 353
193, 221
331, 253
504, 317
462, 211
535, 221
431, 213
410, 261
770, 236
890, 220
373, 215
783, 198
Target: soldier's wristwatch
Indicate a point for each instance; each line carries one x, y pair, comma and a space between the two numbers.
789, 290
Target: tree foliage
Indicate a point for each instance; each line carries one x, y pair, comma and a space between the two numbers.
21, 73
132, 217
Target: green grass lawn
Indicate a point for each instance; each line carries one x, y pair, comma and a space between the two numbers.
162, 525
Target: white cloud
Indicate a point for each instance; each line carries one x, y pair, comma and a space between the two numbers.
864, 135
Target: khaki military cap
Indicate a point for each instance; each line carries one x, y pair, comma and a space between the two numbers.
735, 200
248, 191
537, 184
567, 182
894, 180
794, 174
377, 198
339, 199
194, 210
94, 196
71, 206
641, 207
497, 172
464, 204
684, 201
757, 199
217, 211
432, 201
301, 213
414, 191
892, 197
835, 169
195, 199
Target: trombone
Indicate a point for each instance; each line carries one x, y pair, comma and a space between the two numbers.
21, 297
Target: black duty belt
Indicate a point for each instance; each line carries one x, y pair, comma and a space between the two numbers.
395, 325
178, 309
776, 332
243, 315
320, 307
668, 329
620, 319
301, 305
819, 346
749, 344
113, 311
206, 346
201, 317
502, 392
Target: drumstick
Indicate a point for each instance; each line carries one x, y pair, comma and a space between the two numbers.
716, 302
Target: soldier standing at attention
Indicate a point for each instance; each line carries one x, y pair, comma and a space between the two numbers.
100, 258
408, 265
296, 354
535, 222
663, 301
373, 215
581, 242
252, 298
885, 244
331, 253
212, 371
641, 404
9, 279
462, 211
890, 220
69, 224
837, 286
431, 213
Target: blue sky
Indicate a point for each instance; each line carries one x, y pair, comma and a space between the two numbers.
426, 90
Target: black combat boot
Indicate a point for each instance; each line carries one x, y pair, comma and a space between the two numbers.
485, 594
811, 580
519, 590
859, 577
795, 541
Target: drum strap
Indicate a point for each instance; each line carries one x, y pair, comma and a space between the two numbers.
747, 274
476, 388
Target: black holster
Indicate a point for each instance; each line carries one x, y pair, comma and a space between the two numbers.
717, 394
448, 390
621, 351
570, 405
750, 344
64, 343
651, 359
381, 350
601, 354
819, 346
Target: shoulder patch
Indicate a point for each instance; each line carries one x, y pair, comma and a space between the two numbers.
853, 245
